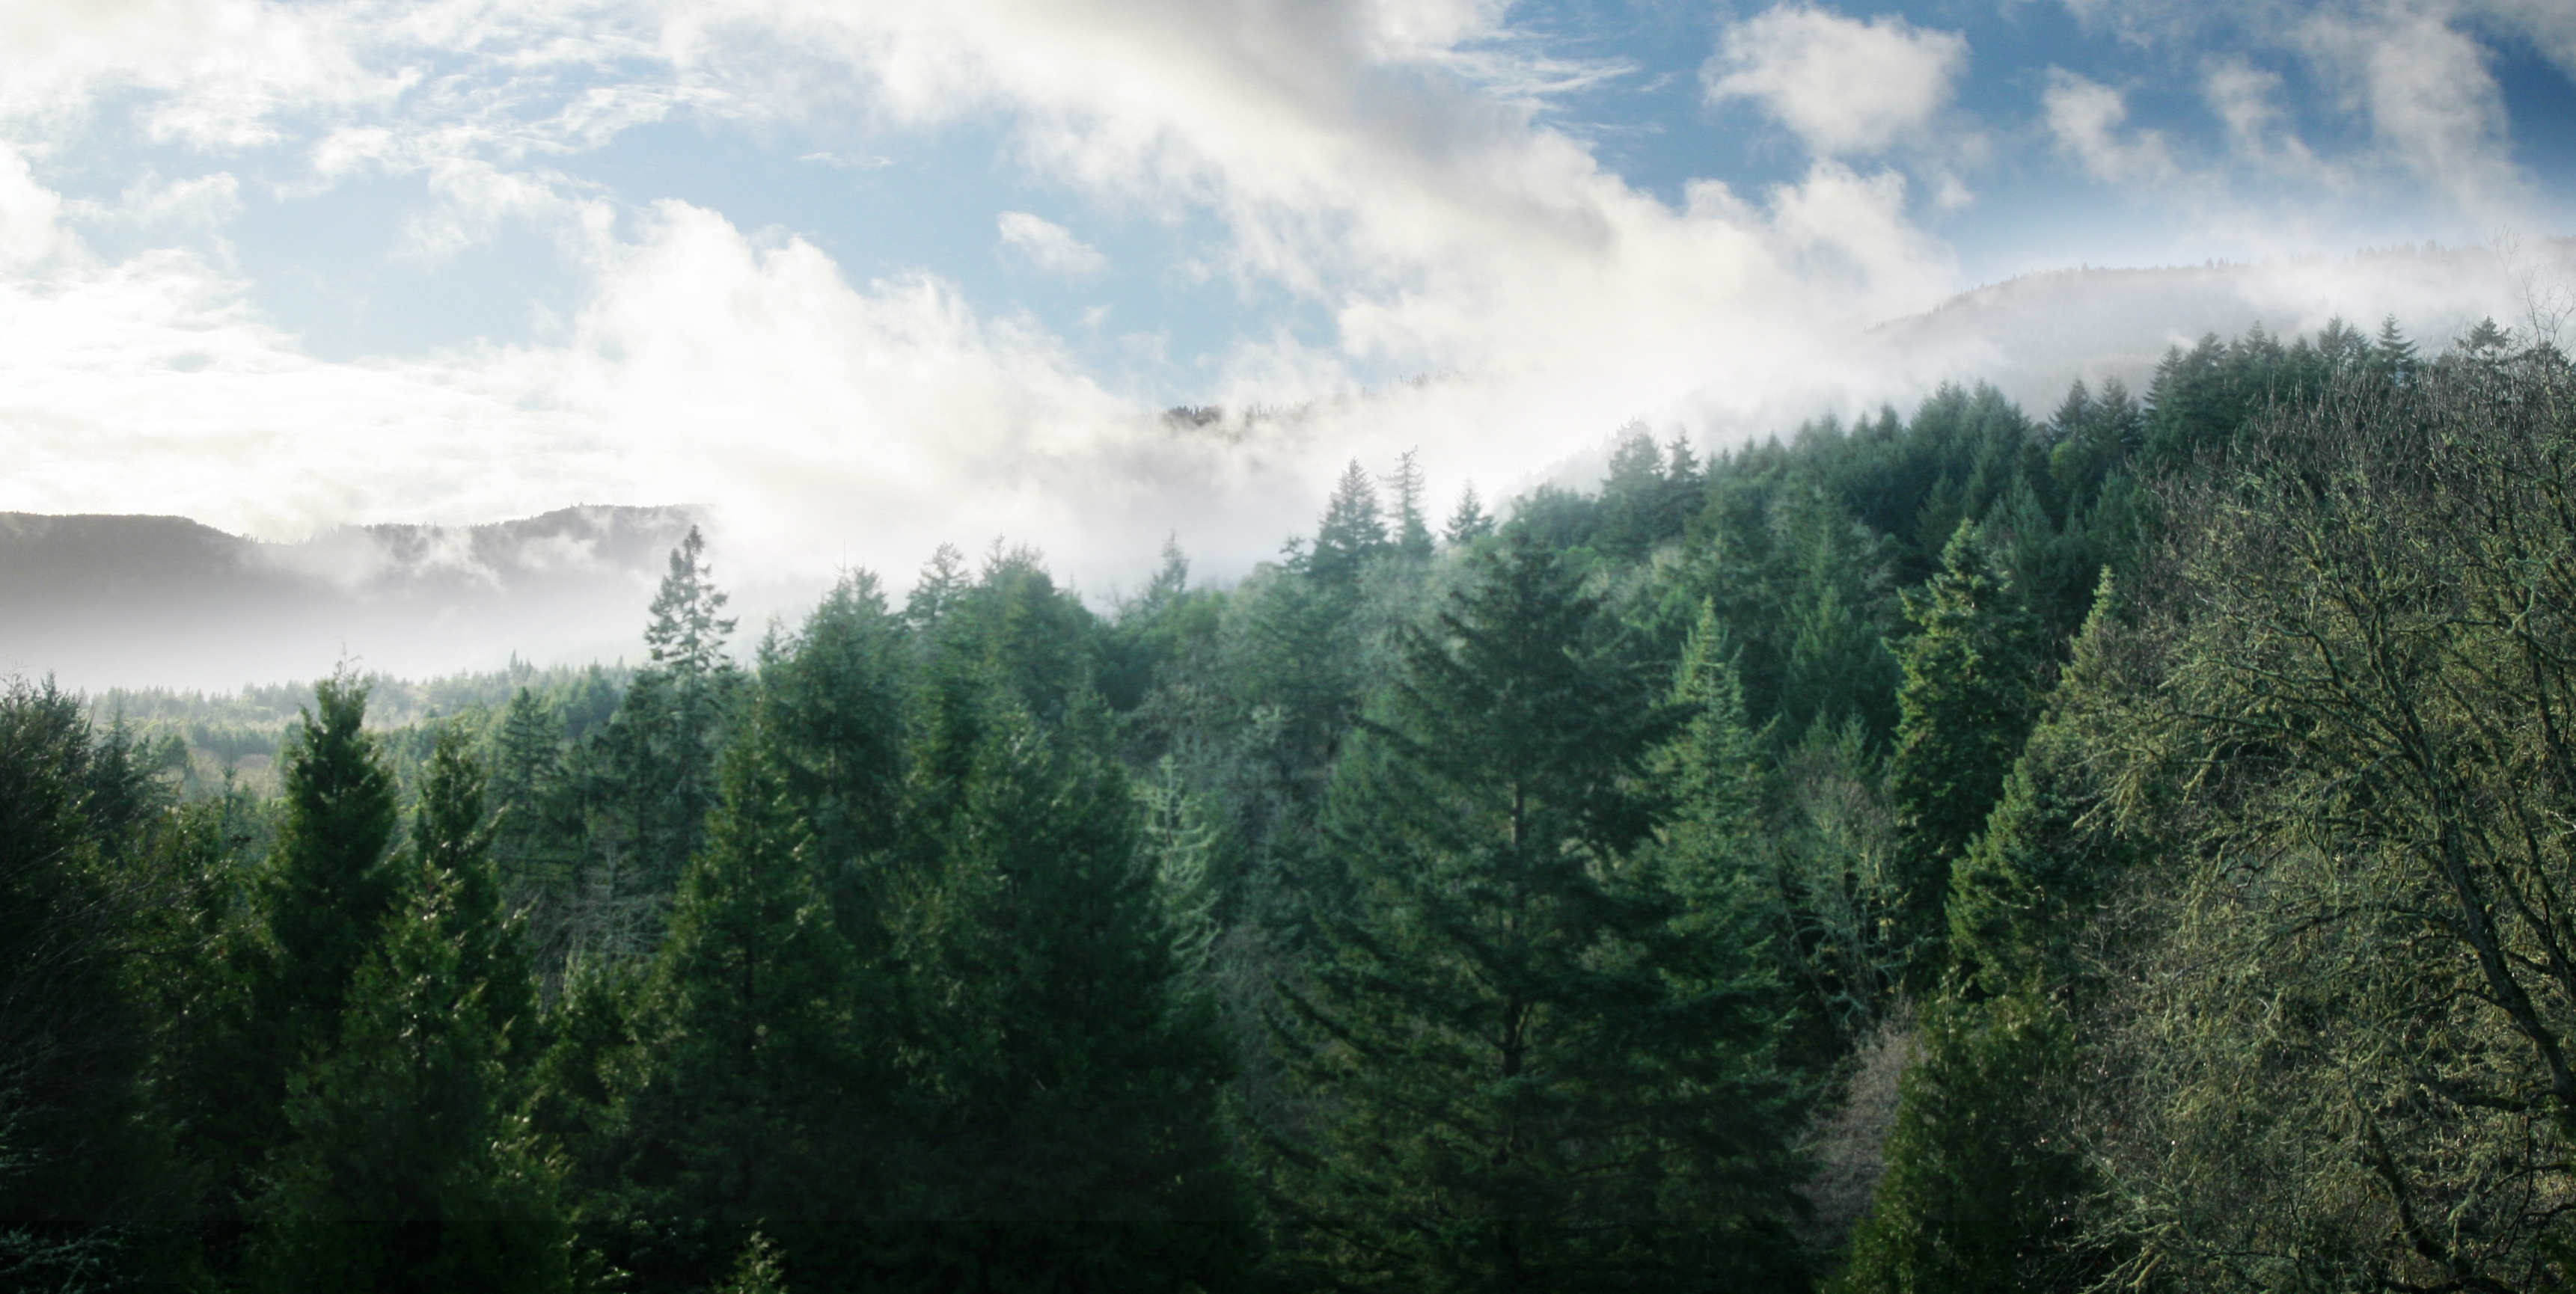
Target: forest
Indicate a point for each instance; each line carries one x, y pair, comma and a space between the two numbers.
2132, 848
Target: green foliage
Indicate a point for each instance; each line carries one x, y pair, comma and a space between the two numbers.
1982, 1183
335, 883
1972, 690
1061, 1076
1533, 1062
1468, 522
413, 1164
75, 807
756, 1086
1500, 908
1352, 534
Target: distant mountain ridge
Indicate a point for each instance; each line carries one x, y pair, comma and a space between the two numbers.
100, 600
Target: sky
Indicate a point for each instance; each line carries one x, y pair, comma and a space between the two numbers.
859, 278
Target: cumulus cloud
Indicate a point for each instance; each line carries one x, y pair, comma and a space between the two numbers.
1843, 86
1049, 246
2430, 97
2087, 118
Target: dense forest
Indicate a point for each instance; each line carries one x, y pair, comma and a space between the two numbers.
2132, 848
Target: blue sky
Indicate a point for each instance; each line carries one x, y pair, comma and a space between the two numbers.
864, 277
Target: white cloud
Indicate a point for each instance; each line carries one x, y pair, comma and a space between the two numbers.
29, 215
1843, 86
2434, 105
2086, 117
1050, 246
1387, 165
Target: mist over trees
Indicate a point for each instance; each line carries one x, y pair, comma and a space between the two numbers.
1951, 851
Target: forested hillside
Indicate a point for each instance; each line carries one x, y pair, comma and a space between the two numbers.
2129, 848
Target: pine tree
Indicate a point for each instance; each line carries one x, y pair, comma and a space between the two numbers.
334, 883
1530, 1072
674, 718
1980, 1174
75, 1142
1352, 533
414, 1165
1972, 690
1062, 1099
757, 1100
1468, 523
1412, 530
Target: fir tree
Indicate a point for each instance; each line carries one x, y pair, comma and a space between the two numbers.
414, 1165
1972, 690
1073, 1082
334, 884
451, 836
1352, 533
1532, 1073
1981, 1179
1468, 522
1412, 530
672, 724
75, 1142
757, 1094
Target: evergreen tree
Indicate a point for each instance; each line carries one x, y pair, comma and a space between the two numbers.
1634, 501
1534, 1067
757, 1097
451, 836
672, 724
334, 883
2392, 354
1073, 1081
1835, 665
1352, 533
1468, 522
831, 706
940, 583
1981, 1177
330, 885
1972, 690
74, 1138
414, 1165
532, 850
1412, 529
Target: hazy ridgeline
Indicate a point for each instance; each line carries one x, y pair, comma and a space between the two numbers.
1961, 851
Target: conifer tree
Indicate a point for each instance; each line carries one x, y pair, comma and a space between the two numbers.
75, 1142
330, 885
1468, 522
334, 884
1412, 529
1070, 1081
1980, 1174
531, 850
1972, 689
757, 1097
830, 704
1353, 531
414, 1165
672, 724
2392, 354
1531, 1071
451, 837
